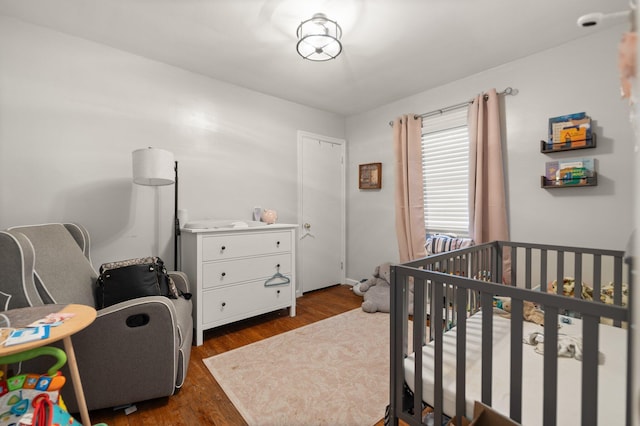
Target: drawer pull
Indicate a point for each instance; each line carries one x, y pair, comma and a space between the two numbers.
223, 248
223, 274
224, 304
278, 244
278, 266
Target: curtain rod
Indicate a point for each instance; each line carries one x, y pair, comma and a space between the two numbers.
507, 91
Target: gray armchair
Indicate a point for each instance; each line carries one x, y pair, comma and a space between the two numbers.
122, 359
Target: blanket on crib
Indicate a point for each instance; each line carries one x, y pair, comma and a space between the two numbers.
611, 373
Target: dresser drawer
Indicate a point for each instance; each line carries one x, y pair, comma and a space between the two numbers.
227, 246
227, 304
244, 269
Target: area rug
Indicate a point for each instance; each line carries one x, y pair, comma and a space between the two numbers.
332, 372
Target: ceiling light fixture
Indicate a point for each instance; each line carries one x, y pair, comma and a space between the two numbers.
319, 38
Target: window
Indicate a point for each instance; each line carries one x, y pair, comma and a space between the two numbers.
445, 172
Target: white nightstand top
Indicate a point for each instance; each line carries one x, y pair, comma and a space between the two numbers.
211, 226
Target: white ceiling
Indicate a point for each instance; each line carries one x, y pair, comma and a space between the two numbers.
391, 48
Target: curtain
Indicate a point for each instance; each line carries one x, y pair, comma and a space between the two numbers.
409, 196
487, 203
627, 62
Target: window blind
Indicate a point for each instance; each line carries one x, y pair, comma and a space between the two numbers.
445, 171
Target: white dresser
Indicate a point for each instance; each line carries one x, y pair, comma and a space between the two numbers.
233, 273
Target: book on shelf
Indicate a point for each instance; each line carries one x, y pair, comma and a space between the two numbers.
551, 168
569, 131
569, 172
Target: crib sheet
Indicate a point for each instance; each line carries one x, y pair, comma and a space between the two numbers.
611, 374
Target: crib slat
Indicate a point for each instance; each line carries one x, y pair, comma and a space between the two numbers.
399, 343
465, 265
436, 317
617, 290
515, 386
597, 275
475, 261
527, 268
631, 268
543, 270
578, 279
550, 367
418, 339
578, 275
487, 346
461, 350
514, 265
432, 309
590, 369
560, 271
448, 313
497, 263
485, 260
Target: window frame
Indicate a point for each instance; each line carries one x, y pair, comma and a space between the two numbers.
445, 161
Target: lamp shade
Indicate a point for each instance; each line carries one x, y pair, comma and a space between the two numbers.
153, 167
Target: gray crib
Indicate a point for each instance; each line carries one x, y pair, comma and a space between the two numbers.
449, 291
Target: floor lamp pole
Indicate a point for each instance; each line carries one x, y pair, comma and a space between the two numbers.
176, 229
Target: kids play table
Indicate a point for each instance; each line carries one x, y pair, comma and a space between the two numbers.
82, 317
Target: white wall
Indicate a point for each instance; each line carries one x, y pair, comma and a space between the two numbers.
72, 111
578, 76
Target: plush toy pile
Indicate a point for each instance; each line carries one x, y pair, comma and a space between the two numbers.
606, 292
530, 311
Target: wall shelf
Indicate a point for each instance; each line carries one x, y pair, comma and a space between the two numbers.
588, 181
568, 146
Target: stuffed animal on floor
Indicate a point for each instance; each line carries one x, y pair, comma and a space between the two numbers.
377, 290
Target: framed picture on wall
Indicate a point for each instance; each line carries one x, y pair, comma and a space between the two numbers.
370, 176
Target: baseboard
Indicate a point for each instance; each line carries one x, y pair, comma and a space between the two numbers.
351, 282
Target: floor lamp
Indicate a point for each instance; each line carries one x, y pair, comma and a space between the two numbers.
156, 167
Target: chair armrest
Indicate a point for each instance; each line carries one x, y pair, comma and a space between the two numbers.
136, 341
181, 280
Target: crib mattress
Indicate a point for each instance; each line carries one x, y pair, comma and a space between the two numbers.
611, 374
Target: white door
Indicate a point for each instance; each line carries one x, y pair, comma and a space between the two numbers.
321, 211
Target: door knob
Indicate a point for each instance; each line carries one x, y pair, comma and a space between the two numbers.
307, 232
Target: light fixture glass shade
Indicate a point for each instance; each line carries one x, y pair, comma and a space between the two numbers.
319, 38
153, 167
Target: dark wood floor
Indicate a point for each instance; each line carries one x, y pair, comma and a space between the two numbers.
201, 401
